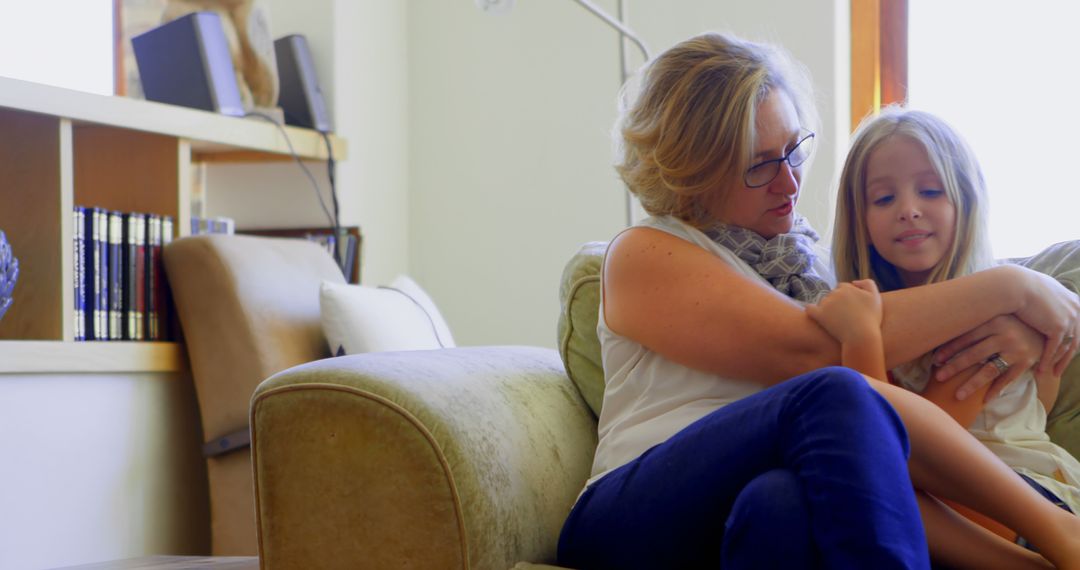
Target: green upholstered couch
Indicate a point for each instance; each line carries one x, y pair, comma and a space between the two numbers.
456, 458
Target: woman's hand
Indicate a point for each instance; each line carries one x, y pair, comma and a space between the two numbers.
1007, 337
850, 311
1053, 310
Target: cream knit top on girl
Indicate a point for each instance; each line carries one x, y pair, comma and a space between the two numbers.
1013, 426
648, 398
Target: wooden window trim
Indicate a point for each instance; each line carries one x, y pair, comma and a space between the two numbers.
879, 59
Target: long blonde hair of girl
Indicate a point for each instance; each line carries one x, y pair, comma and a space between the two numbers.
854, 255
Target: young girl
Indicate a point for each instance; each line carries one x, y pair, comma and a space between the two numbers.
911, 211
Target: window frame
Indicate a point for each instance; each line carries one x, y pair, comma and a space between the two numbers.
879, 58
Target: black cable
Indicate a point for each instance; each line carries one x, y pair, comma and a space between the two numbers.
314, 184
330, 167
431, 319
339, 248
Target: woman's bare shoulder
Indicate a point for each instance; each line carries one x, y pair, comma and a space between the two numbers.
648, 249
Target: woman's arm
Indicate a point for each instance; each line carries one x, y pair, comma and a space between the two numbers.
688, 305
1004, 336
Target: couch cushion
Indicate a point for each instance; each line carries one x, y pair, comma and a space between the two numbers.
1062, 261
579, 347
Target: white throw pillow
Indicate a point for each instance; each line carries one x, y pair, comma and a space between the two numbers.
412, 290
358, 318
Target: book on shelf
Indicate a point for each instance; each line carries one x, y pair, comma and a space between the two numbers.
343, 248
155, 276
214, 225
134, 275
120, 286
79, 249
164, 296
116, 284
95, 278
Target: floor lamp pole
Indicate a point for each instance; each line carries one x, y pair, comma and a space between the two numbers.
625, 34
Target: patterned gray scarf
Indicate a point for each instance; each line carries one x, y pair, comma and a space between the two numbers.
786, 261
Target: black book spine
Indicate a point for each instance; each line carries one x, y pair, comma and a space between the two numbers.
90, 263
153, 276
101, 331
165, 313
133, 281
79, 261
350, 257
116, 285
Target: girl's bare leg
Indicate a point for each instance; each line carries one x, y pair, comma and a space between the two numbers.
959, 543
982, 520
946, 461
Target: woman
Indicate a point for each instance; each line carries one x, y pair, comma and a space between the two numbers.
703, 422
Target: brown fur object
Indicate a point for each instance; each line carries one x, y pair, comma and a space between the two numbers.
248, 33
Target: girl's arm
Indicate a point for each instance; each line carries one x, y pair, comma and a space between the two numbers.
686, 304
964, 411
851, 314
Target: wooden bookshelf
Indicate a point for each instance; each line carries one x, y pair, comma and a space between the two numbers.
61, 148
353, 275
58, 357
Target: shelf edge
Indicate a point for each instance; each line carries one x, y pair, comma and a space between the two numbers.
33, 356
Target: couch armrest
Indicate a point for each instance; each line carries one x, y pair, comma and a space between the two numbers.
453, 458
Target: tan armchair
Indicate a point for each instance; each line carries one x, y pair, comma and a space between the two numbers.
249, 307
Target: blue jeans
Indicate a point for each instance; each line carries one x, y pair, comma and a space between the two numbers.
808, 473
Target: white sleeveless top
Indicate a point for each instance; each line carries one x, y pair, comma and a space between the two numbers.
1013, 426
648, 398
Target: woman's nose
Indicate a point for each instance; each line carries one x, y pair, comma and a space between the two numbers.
785, 182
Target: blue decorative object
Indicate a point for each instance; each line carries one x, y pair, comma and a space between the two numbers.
9, 274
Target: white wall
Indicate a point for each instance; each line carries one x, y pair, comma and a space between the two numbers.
509, 148
99, 467
479, 145
359, 50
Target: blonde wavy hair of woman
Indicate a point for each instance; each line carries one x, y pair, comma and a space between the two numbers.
955, 164
688, 136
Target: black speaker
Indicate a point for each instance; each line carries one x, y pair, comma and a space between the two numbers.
187, 62
300, 96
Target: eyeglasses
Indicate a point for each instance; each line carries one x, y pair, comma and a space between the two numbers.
763, 173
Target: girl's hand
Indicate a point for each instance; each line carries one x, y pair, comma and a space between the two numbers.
850, 311
1053, 310
1019, 345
